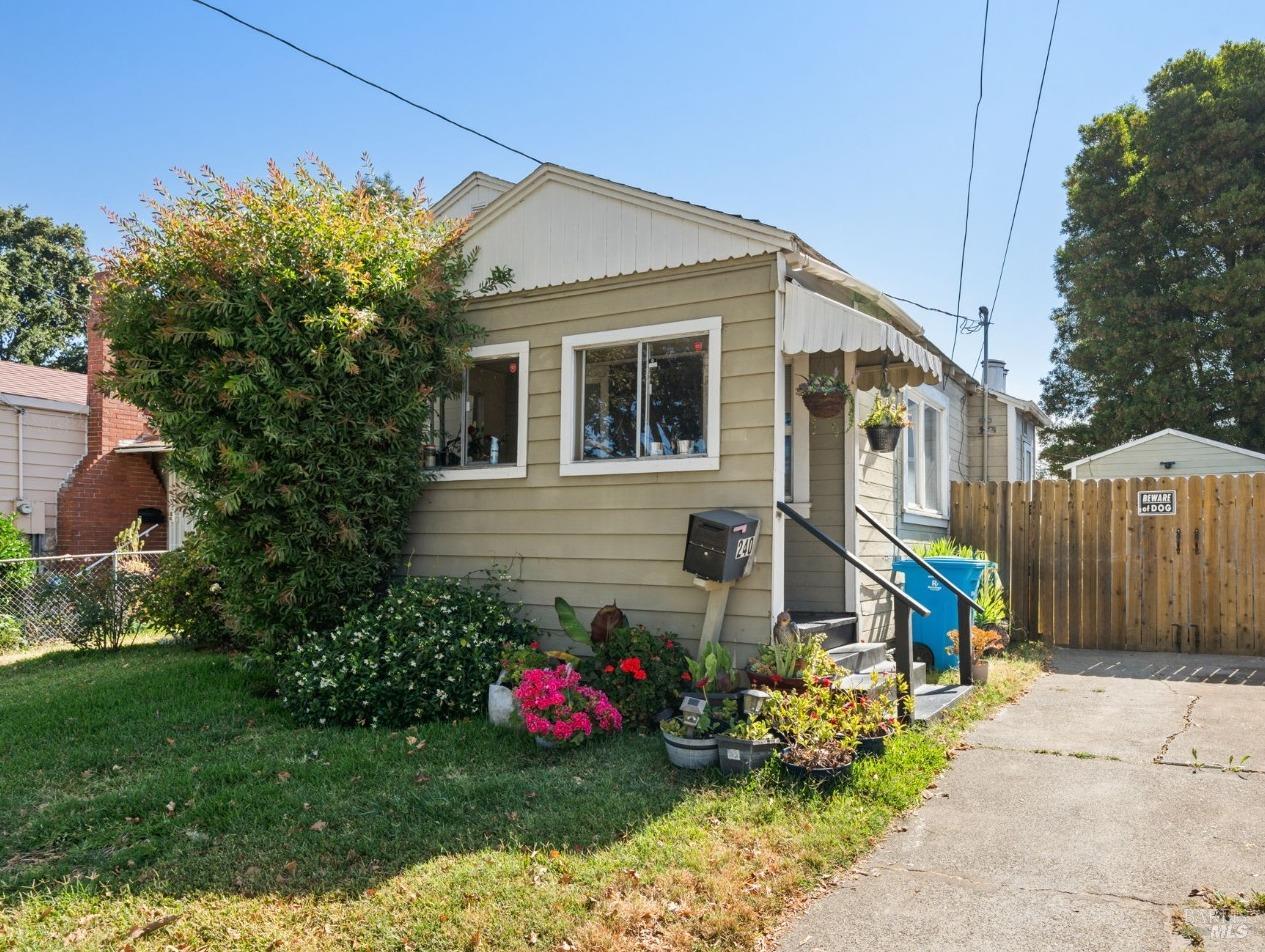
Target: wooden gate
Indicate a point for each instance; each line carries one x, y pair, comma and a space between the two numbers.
1086, 566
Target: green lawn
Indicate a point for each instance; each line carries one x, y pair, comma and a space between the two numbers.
151, 783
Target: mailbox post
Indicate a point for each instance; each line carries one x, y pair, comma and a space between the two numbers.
720, 548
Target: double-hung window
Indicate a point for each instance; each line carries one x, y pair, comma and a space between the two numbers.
480, 430
926, 470
643, 399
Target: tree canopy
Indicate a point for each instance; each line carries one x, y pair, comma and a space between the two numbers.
1162, 271
44, 293
287, 335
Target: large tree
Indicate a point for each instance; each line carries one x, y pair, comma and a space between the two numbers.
288, 335
1162, 272
44, 272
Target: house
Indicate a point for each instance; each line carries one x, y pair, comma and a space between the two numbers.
1168, 452
43, 434
119, 476
642, 367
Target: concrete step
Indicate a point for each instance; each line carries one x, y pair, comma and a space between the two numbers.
859, 655
886, 669
838, 629
934, 700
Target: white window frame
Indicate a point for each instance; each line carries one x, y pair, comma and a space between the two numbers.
915, 513
521, 350
568, 465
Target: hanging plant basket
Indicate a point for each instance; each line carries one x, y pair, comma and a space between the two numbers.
883, 439
825, 406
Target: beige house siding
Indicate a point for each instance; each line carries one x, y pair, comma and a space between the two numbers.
876, 480
1189, 457
998, 438
620, 537
52, 442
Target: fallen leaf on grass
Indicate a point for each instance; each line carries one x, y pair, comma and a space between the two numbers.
283, 776
422, 778
171, 808
318, 826
147, 928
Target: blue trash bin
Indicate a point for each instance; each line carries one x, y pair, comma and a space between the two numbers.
933, 630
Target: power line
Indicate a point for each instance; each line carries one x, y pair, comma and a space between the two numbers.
970, 176
925, 307
1027, 152
367, 82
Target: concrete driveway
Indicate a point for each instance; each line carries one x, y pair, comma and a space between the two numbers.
1083, 817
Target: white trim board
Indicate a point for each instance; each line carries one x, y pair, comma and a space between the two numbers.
568, 465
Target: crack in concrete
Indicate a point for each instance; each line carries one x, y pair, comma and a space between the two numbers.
1219, 768
1159, 758
1075, 894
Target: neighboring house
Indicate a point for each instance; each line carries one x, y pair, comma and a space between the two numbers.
43, 434
642, 367
119, 477
1168, 453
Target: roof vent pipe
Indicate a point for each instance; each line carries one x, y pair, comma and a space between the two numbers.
995, 375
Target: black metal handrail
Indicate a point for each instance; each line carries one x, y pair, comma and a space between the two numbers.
887, 585
903, 607
923, 563
966, 604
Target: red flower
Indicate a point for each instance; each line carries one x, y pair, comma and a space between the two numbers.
609, 668
535, 644
685, 676
639, 675
630, 665
669, 644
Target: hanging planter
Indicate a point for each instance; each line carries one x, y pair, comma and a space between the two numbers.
826, 397
884, 424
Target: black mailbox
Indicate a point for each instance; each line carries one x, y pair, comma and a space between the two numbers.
720, 545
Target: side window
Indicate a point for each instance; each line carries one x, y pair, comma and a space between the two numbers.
482, 426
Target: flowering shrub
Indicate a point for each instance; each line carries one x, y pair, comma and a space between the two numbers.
424, 651
557, 706
640, 671
185, 598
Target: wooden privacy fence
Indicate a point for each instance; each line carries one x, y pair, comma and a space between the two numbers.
1085, 568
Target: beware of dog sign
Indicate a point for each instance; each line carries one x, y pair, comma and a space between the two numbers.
1157, 502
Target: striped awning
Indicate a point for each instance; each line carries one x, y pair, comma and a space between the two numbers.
814, 323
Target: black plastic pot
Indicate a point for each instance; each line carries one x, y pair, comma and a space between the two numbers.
818, 776
743, 756
872, 746
883, 439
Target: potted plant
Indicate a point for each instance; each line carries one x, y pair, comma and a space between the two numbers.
712, 674
820, 725
557, 708
790, 664
694, 746
825, 395
746, 746
886, 421
984, 641
876, 713
516, 659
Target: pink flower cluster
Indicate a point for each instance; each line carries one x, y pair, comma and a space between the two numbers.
558, 707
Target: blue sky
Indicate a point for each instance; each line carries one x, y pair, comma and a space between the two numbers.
847, 123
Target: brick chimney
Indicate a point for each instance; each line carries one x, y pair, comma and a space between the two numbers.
105, 491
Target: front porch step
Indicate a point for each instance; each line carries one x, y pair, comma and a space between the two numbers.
839, 628
860, 680
932, 701
859, 655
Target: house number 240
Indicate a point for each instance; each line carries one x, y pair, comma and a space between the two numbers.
746, 548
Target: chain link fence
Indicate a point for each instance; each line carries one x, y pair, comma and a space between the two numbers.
37, 594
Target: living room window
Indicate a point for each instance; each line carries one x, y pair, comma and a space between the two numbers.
480, 430
643, 399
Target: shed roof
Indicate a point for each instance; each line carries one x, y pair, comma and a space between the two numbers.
43, 383
1170, 431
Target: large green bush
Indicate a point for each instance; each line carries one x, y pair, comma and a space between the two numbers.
185, 598
287, 336
13, 545
642, 672
425, 651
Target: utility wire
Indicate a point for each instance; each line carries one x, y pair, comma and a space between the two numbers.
1027, 152
925, 307
367, 82
970, 176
